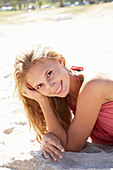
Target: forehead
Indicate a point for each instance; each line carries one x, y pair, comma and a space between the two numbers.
43, 64
38, 70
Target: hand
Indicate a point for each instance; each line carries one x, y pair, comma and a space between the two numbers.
33, 94
51, 146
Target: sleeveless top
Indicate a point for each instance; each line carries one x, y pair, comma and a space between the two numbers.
103, 128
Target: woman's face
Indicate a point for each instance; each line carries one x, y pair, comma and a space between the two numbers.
49, 78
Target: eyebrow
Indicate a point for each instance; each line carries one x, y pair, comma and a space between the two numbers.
44, 76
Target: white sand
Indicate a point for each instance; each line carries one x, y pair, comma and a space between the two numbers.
85, 40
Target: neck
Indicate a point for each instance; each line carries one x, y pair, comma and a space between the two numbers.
74, 88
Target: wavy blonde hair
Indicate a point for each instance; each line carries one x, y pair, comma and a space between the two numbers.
34, 113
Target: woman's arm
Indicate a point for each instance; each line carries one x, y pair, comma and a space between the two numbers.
52, 122
90, 99
51, 146
89, 102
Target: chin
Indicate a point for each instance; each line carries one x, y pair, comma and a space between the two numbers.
64, 95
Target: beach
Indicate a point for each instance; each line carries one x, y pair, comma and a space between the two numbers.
86, 40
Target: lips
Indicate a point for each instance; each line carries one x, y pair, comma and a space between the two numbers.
58, 91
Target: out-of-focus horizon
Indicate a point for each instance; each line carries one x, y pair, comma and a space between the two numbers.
9, 5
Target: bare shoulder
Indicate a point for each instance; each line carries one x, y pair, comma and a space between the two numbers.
99, 84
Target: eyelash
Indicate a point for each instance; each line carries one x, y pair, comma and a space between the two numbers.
48, 75
39, 86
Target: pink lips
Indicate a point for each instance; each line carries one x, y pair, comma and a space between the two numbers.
58, 91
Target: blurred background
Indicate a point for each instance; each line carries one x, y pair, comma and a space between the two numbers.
9, 5
81, 30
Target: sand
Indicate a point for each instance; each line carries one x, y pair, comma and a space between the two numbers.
85, 40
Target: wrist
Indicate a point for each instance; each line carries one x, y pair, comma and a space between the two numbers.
43, 100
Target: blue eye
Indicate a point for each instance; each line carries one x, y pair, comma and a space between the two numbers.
49, 73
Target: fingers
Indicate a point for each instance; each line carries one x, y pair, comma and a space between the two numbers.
52, 151
52, 155
56, 143
48, 153
24, 93
30, 87
45, 154
55, 151
51, 144
27, 92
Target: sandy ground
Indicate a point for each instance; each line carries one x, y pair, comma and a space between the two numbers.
85, 40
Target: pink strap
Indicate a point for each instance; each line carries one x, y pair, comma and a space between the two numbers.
74, 68
71, 106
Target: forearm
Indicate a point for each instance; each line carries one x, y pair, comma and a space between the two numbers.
52, 123
72, 140
75, 140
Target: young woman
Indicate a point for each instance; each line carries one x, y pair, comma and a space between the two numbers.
61, 105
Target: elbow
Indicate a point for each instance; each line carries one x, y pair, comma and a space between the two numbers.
71, 150
68, 149
74, 147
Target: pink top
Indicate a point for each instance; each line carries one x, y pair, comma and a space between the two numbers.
103, 128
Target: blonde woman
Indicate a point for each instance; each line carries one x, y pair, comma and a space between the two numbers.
52, 94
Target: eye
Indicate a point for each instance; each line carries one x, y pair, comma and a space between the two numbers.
39, 86
49, 73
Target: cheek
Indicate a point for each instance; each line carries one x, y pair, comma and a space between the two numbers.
66, 75
67, 80
44, 92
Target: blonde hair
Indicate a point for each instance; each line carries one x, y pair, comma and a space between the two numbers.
34, 113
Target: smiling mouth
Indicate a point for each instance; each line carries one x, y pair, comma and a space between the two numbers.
58, 91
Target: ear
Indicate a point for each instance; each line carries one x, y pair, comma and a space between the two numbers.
60, 61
